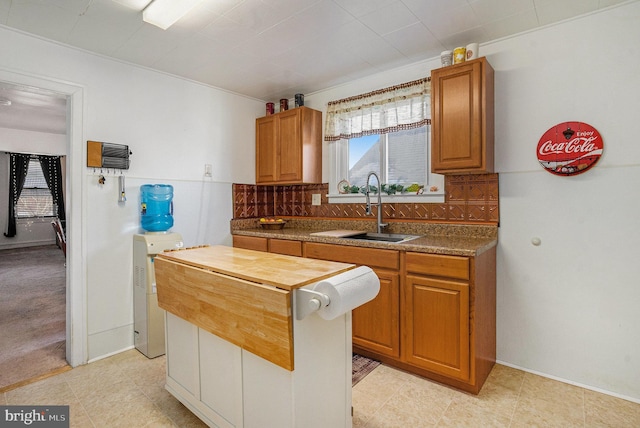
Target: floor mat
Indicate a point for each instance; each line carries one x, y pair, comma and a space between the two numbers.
360, 367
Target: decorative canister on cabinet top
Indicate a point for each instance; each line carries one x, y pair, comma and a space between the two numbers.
284, 104
459, 55
299, 100
472, 51
270, 109
446, 58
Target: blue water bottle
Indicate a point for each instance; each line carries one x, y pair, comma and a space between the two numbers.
156, 207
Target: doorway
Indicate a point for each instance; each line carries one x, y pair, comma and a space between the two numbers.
75, 270
33, 126
32, 314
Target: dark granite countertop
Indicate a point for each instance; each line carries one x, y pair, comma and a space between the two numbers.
449, 239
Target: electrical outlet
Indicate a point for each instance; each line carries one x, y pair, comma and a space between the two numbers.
207, 170
315, 199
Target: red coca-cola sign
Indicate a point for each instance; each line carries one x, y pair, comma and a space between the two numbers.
570, 148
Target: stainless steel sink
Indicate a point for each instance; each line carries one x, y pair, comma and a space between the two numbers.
382, 237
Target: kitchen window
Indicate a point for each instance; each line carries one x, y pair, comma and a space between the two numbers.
387, 132
399, 158
35, 199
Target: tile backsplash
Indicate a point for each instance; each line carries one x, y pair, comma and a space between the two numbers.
468, 199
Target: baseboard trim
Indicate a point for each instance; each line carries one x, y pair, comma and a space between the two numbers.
570, 382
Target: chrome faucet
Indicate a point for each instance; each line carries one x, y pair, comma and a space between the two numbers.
381, 225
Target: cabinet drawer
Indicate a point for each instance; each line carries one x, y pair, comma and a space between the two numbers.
250, 242
372, 257
283, 246
438, 265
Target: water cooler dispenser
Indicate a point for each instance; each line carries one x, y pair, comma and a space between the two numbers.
156, 220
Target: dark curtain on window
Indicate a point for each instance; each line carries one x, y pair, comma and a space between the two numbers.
53, 175
18, 167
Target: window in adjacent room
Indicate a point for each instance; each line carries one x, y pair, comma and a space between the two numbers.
36, 199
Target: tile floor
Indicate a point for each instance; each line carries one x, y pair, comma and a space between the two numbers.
127, 391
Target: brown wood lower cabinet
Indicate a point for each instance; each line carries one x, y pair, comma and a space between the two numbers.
435, 314
376, 324
450, 317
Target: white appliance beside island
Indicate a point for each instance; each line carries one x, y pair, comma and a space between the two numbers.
249, 346
148, 318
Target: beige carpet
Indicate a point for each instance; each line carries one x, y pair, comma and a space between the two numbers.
32, 313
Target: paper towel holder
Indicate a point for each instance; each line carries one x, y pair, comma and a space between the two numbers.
309, 301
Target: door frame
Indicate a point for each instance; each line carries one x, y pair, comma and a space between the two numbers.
76, 289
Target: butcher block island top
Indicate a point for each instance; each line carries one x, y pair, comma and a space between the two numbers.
242, 296
279, 271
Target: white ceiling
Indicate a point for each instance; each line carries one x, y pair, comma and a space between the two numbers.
272, 49
32, 109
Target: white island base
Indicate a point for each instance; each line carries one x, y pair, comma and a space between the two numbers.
240, 354
227, 386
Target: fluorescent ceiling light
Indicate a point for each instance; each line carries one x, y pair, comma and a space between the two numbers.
164, 13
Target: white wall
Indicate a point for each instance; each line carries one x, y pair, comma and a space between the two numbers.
173, 127
569, 308
21, 141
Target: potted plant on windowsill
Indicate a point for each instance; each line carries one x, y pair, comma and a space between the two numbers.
415, 188
390, 189
372, 189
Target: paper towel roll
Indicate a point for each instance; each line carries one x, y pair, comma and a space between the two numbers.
347, 291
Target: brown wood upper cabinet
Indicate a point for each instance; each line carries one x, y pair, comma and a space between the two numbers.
289, 147
462, 111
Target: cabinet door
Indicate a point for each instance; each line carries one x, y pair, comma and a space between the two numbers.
183, 360
266, 148
375, 324
221, 379
289, 154
462, 113
437, 323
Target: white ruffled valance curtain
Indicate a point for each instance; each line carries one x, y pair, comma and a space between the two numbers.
392, 109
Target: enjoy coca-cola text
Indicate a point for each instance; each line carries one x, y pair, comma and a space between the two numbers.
577, 145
